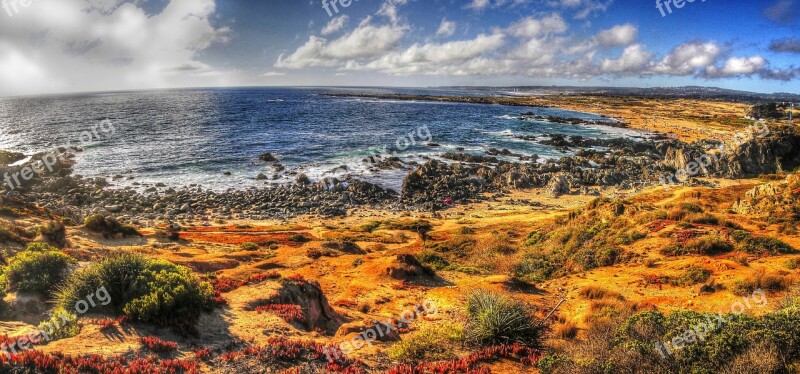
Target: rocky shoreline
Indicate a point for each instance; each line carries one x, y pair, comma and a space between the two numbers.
455, 178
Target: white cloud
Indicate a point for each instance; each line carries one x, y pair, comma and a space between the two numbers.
620, 35
738, 66
633, 59
687, 59
479, 4
446, 28
530, 27
365, 41
336, 24
99, 45
429, 57
273, 74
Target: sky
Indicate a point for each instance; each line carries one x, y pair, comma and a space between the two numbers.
61, 46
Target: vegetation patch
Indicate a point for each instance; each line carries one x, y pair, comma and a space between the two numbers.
147, 290
493, 319
38, 269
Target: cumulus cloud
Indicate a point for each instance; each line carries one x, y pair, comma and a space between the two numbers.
530, 27
530, 47
101, 45
620, 35
688, 59
433, 58
633, 59
738, 66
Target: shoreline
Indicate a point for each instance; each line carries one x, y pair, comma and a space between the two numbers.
678, 116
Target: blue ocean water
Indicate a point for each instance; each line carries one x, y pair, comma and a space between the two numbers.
194, 136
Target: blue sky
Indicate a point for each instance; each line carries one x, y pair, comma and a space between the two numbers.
86, 45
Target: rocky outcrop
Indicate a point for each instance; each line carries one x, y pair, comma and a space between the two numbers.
776, 152
779, 200
309, 296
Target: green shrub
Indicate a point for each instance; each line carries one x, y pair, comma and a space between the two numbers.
693, 275
370, 226
535, 268
155, 291
466, 230
249, 246
109, 227
37, 269
706, 245
61, 324
759, 245
297, 238
429, 343
631, 237
496, 319
434, 260
691, 208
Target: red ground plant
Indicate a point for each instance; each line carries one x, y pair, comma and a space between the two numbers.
470, 363
155, 344
40, 362
289, 312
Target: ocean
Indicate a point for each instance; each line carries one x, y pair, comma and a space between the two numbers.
199, 136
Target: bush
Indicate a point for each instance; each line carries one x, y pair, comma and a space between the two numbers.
429, 343
768, 282
706, 245
297, 238
496, 319
535, 269
109, 227
434, 260
249, 246
155, 291
759, 245
61, 325
597, 293
55, 233
693, 275
38, 269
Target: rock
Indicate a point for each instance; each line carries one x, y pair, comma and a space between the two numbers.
267, 157
303, 179
557, 186
309, 295
261, 177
